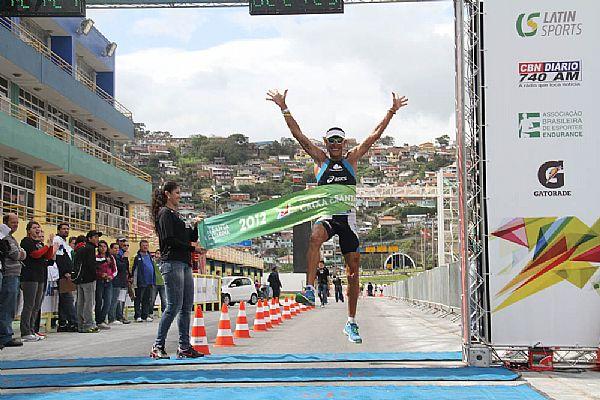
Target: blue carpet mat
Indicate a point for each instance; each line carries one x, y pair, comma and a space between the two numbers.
256, 376
521, 392
234, 359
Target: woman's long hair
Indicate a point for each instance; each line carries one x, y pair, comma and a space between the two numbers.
159, 200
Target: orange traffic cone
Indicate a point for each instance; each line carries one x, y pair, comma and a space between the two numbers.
273, 312
293, 308
224, 336
267, 315
286, 309
303, 307
259, 322
198, 337
241, 323
278, 311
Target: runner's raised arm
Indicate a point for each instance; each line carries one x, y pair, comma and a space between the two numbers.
316, 153
360, 150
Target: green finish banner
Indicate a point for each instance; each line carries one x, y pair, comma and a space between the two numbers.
275, 215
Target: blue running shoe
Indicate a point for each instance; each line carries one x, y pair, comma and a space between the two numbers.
351, 330
309, 293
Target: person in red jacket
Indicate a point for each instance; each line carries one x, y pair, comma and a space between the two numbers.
34, 275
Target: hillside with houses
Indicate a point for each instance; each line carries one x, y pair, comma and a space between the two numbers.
220, 174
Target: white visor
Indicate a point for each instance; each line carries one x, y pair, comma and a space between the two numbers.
335, 132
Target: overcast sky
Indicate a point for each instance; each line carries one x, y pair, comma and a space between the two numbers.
206, 71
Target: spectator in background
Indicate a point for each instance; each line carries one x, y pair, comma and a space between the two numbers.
120, 283
105, 272
274, 282
144, 280
370, 289
34, 275
323, 282
160, 284
339, 294
9, 287
85, 278
67, 315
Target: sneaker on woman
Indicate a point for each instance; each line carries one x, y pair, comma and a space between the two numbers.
30, 338
42, 336
188, 353
158, 353
103, 326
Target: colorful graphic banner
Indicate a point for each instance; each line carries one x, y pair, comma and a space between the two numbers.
541, 142
275, 215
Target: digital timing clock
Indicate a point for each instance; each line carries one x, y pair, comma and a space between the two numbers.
42, 8
288, 7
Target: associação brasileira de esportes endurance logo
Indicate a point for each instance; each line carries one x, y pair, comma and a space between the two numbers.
549, 24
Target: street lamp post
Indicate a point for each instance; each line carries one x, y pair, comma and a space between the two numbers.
216, 196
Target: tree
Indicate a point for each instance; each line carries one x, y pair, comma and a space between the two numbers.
387, 141
443, 140
438, 162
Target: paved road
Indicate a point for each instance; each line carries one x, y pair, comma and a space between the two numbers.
386, 326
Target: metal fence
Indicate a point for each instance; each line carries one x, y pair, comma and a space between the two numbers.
438, 287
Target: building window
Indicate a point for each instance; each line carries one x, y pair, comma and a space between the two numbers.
58, 117
93, 137
34, 104
67, 202
17, 188
3, 86
112, 215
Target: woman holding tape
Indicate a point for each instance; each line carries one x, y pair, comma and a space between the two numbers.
175, 249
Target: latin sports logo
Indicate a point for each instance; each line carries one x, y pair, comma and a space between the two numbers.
527, 27
551, 174
529, 125
549, 73
549, 24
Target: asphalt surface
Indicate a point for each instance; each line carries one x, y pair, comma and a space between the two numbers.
385, 325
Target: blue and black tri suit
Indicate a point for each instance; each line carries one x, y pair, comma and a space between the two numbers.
343, 225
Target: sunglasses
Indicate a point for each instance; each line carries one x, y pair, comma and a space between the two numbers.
335, 140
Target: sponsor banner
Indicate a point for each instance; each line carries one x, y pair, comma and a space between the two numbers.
544, 74
551, 23
541, 136
275, 215
551, 125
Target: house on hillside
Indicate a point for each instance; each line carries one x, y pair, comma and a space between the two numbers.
244, 181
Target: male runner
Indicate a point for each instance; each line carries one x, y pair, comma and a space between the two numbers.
336, 168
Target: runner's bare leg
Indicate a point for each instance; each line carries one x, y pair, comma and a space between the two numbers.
352, 273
